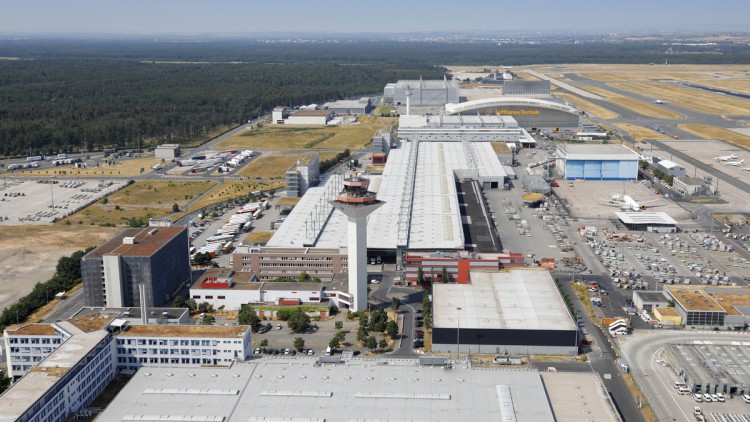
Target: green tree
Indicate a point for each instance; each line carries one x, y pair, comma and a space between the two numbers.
175, 207
444, 276
208, 320
179, 302
248, 316
191, 304
299, 343
104, 201
420, 275
205, 307
361, 334
303, 276
395, 303
298, 320
391, 328
371, 342
339, 325
383, 343
264, 342
334, 343
4, 383
333, 310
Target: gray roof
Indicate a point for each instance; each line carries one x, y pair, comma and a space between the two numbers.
360, 389
596, 152
651, 296
292, 285
517, 299
646, 218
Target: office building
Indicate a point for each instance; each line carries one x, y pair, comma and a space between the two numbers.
158, 258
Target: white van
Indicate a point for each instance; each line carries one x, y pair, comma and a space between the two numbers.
684, 390
328, 351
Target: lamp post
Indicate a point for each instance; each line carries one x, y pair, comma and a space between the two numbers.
458, 334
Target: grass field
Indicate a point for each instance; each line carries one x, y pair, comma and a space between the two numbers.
142, 199
713, 132
297, 137
258, 237
692, 99
129, 167
527, 76
383, 110
230, 190
275, 164
590, 108
642, 107
737, 85
640, 133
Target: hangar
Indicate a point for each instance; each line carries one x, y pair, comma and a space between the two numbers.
517, 311
530, 113
596, 162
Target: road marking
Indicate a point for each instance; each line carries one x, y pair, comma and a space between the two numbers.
607, 376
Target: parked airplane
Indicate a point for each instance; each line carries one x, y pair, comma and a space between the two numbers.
746, 168
726, 157
626, 202
734, 163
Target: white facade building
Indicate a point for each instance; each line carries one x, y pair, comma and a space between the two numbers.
27, 345
65, 382
670, 168
183, 345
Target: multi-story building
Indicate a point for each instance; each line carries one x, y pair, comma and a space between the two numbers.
711, 306
64, 382
181, 345
423, 92
156, 257
455, 267
270, 263
27, 345
84, 353
303, 174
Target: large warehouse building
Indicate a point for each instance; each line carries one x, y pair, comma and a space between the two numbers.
596, 162
419, 186
530, 113
518, 311
404, 389
423, 92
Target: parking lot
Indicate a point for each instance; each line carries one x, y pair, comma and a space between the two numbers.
45, 201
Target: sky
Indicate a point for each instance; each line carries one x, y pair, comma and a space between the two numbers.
147, 17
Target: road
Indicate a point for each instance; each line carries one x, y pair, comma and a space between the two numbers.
67, 307
411, 301
641, 354
602, 359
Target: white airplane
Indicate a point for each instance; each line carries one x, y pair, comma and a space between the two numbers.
626, 202
734, 163
726, 157
746, 168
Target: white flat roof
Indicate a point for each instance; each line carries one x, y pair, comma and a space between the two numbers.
436, 217
25, 392
517, 299
296, 389
646, 218
596, 152
668, 164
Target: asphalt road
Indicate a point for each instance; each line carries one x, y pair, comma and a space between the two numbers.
641, 351
602, 359
67, 307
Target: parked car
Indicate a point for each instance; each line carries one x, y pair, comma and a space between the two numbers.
698, 397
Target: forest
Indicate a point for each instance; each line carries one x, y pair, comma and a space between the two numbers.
64, 105
63, 95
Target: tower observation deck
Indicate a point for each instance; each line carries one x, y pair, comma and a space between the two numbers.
356, 202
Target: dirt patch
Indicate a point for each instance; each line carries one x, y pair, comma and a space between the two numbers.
29, 254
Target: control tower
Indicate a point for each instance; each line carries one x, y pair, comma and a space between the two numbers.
356, 202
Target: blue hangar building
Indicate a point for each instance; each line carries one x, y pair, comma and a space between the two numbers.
596, 162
